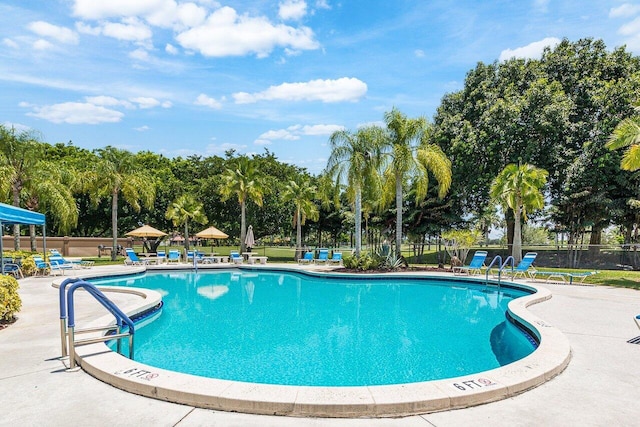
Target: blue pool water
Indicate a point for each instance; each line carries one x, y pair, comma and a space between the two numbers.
290, 328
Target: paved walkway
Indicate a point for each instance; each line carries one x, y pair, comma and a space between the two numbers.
600, 387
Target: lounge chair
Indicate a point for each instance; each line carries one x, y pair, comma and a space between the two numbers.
42, 266
56, 257
637, 319
525, 267
336, 258
174, 256
323, 256
475, 266
12, 268
306, 259
564, 275
63, 264
235, 257
161, 257
132, 258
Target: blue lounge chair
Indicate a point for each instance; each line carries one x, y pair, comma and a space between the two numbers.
56, 257
57, 261
525, 267
637, 319
336, 258
133, 258
572, 276
10, 267
323, 256
42, 266
174, 256
475, 266
161, 257
235, 257
306, 259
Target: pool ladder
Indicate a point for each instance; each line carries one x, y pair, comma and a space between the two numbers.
501, 266
123, 327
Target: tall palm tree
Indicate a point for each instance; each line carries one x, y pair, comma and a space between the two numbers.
627, 135
29, 179
244, 181
184, 209
116, 173
519, 188
355, 159
411, 158
301, 195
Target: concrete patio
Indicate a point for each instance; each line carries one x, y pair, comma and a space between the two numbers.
599, 387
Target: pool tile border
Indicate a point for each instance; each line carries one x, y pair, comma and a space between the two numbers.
550, 359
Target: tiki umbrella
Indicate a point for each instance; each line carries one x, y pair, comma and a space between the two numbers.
212, 233
146, 231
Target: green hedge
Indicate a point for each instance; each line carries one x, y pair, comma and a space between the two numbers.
10, 302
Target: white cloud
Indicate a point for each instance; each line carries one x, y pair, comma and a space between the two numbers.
17, 126
322, 4
541, 5
77, 113
207, 101
142, 128
292, 9
530, 51
130, 30
91, 9
419, 53
631, 28
166, 104
42, 45
221, 148
10, 43
61, 34
108, 101
624, 11
170, 49
145, 102
225, 33
88, 29
294, 132
342, 89
140, 55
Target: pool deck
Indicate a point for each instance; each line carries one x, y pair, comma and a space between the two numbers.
599, 386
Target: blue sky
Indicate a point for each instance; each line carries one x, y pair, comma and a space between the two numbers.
203, 76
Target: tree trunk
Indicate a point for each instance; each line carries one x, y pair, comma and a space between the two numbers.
32, 238
595, 241
186, 235
243, 231
114, 225
298, 236
16, 227
398, 215
358, 221
517, 236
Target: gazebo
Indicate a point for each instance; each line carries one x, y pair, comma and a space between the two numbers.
11, 215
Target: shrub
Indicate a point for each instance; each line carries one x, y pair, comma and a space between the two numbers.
10, 302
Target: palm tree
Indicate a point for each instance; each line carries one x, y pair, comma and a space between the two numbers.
28, 177
184, 209
244, 181
518, 187
116, 172
302, 196
355, 160
412, 157
627, 135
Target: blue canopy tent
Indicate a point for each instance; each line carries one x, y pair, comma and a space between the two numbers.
10, 215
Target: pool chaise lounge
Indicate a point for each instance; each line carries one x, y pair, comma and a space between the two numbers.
637, 319
564, 275
475, 266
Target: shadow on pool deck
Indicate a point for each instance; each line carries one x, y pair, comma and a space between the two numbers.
599, 387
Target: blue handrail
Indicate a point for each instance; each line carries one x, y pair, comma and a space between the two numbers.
67, 315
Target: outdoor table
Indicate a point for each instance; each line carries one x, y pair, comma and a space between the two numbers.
246, 255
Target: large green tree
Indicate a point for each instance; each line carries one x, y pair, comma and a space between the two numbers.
519, 188
114, 173
627, 135
355, 161
412, 157
243, 180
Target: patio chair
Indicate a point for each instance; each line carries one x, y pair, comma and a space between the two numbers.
174, 256
572, 276
59, 259
61, 263
306, 259
335, 259
323, 256
637, 319
235, 257
42, 266
132, 258
475, 266
525, 267
161, 257
12, 268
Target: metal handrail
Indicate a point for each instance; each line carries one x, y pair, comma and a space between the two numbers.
67, 320
493, 261
509, 260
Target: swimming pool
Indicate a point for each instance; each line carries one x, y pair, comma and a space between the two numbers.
289, 328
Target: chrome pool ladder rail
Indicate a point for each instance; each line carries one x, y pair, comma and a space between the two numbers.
497, 259
67, 320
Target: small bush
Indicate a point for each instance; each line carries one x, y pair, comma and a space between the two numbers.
10, 302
